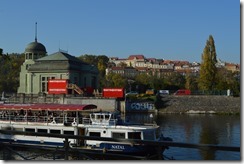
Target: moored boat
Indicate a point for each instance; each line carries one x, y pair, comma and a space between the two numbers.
69, 119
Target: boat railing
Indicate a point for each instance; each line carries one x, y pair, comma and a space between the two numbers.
38, 119
88, 121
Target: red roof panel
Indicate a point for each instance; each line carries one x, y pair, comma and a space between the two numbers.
66, 107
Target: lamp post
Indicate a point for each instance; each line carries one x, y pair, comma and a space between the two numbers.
130, 82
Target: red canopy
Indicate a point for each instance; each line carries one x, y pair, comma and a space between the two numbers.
56, 107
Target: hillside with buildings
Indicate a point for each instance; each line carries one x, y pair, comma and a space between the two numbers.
136, 64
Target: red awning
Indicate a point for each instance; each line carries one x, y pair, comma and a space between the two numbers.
56, 107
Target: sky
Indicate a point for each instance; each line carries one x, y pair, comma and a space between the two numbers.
162, 29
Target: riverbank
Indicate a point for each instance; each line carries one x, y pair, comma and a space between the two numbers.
201, 104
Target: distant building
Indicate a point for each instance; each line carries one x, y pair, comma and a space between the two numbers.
39, 67
232, 67
128, 72
161, 67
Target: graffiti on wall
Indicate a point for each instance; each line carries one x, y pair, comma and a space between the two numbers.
139, 106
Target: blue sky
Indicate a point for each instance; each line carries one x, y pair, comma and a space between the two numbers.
165, 29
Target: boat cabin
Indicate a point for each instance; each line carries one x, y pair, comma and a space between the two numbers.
106, 125
101, 118
44, 113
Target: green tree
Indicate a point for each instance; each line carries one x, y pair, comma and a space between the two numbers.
9, 71
156, 83
102, 64
208, 70
191, 82
228, 80
115, 80
175, 81
90, 59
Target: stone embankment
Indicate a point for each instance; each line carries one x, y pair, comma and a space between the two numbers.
201, 104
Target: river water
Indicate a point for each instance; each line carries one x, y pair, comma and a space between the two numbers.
197, 129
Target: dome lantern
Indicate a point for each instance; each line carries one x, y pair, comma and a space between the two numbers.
35, 50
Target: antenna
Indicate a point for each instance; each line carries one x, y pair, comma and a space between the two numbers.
36, 33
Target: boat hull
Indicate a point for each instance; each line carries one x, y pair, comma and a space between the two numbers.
126, 149
131, 149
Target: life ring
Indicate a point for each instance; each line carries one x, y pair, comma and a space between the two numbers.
74, 123
53, 122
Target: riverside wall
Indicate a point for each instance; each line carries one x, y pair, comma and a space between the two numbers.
170, 103
201, 104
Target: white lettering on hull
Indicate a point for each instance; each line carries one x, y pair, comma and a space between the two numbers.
119, 147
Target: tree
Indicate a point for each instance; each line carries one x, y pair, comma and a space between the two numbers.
191, 81
90, 59
115, 80
175, 81
100, 61
9, 71
208, 68
228, 80
102, 64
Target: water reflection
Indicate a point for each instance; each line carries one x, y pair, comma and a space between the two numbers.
198, 129
208, 135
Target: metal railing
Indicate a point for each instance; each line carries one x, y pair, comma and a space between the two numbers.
132, 141
38, 119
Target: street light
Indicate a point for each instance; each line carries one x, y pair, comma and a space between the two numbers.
130, 82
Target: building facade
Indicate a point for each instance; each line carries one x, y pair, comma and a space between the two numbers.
39, 67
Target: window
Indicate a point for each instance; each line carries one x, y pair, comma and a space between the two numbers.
42, 130
118, 135
44, 82
134, 135
43, 86
55, 131
30, 56
69, 132
95, 134
27, 66
26, 56
18, 129
29, 130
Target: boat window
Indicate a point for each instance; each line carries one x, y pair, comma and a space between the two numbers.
148, 135
92, 117
107, 117
18, 129
69, 132
42, 130
118, 135
29, 130
95, 134
134, 135
99, 117
55, 131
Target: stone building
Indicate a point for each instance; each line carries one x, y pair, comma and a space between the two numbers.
39, 67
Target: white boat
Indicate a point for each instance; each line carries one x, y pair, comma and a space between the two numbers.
69, 119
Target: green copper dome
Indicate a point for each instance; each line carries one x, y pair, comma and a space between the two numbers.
35, 47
